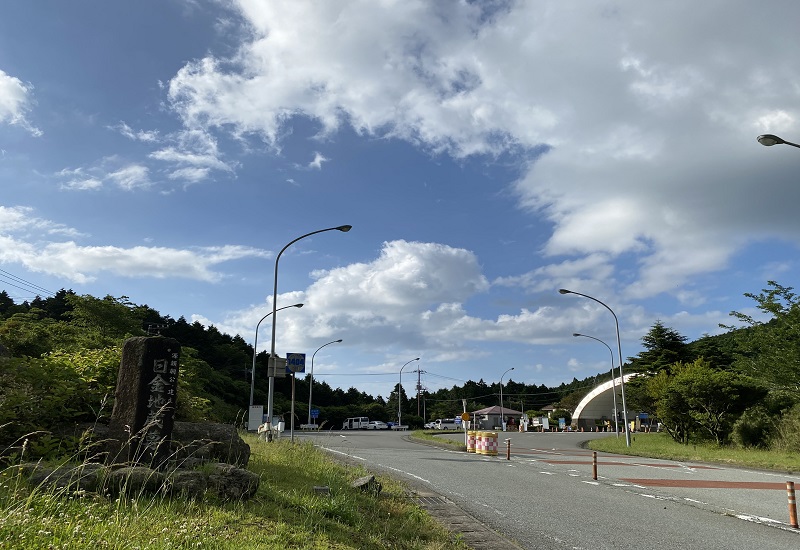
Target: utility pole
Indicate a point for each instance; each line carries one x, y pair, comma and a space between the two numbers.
419, 388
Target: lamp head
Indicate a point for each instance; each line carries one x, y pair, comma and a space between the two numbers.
338, 341
564, 291
297, 305
577, 334
344, 228
769, 140
417, 359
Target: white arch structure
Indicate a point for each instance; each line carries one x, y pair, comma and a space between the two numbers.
599, 403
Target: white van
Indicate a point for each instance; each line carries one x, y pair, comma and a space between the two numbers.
446, 424
356, 423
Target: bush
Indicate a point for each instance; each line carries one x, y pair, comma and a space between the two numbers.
787, 437
754, 428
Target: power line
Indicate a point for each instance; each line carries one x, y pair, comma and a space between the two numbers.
31, 287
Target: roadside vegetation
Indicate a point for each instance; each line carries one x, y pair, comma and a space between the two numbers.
737, 391
286, 512
432, 436
661, 445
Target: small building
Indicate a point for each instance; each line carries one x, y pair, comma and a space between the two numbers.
490, 418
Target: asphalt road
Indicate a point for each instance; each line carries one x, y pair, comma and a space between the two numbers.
545, 497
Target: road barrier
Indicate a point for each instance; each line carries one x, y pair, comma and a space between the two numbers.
471, 441
792, 504
594, 465
480, 443
490, 443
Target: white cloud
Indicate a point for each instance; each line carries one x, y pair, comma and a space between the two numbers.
318, 160
133, 176
21, 220
26, 240
650, 139
16, 102
148, 136
192, 175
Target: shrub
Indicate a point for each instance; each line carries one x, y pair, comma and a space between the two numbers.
787, 437
754, 428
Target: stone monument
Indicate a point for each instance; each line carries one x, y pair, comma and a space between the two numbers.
141, 423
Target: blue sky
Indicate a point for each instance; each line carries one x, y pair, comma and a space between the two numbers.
486, 155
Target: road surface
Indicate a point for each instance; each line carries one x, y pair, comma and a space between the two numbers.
545, 495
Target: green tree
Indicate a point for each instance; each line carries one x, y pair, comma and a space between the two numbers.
664, 347
105, 321
32, 335
770, 350
713, 399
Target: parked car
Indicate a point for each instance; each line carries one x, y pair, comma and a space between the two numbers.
377, 425
446, 424
429, 425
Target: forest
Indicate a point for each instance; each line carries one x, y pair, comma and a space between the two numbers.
60, 355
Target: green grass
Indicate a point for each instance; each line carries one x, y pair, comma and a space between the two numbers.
661, 445
284, 514
433, 437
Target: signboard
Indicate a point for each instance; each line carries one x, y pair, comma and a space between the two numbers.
465, 417
295, 362
255, 418
278, 369
314, 413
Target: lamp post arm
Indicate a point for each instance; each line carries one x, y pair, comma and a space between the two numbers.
502, 424
311, 381
769, 140
255, 350
343, 228
619, 352
400, 393
613, 383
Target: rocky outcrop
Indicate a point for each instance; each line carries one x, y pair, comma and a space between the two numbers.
209, 442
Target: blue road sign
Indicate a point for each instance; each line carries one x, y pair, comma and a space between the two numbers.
314, 413
295, 362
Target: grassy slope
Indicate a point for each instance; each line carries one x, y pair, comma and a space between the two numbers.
284, 514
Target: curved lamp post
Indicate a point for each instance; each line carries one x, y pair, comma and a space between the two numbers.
255, 351
771, 139
502, 423
613, 379
311, 382
619, 353
400, 393
342, 228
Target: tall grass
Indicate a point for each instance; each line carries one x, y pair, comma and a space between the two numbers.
660, 445
285, 513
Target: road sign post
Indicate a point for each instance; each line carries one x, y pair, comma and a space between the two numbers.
295, 362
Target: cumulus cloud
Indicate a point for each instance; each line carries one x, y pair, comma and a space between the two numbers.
16, 102
411, 296
649, 141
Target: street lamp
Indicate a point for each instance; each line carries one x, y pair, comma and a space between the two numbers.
613, 379
619, 353
343, 229
400, 394
503, 424
771, 139
255, 351
311, 383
